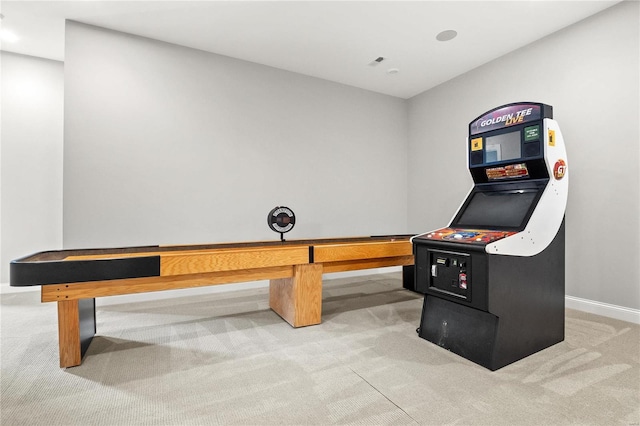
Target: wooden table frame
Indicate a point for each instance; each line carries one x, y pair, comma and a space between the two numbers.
294, 271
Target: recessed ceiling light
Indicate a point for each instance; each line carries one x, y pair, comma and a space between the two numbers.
8, 36
446, 35
393, 71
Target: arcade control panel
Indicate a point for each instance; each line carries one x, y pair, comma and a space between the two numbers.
466, 236
445, 267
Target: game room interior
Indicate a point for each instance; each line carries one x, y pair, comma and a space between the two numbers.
140, 282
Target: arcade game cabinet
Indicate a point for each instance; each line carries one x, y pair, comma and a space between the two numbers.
494, 278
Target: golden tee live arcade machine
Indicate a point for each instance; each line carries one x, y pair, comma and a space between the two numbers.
494, 278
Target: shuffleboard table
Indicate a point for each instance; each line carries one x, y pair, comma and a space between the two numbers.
74, 278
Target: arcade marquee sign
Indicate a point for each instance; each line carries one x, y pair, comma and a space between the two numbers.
505, 117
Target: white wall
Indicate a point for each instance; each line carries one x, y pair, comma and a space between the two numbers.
589, 73
167, 145
31, 160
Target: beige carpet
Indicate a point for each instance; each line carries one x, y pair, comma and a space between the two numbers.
225, 358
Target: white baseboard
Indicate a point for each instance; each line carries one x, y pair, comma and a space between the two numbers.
5, 288
604, 309
571, 302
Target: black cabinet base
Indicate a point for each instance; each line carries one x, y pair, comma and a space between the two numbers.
465, 331
515, 308
408, 277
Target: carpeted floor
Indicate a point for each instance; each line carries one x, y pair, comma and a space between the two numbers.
225, 358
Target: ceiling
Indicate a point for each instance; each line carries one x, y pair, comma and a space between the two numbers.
332, 40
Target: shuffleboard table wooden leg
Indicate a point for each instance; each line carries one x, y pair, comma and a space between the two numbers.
76, 328
298, 300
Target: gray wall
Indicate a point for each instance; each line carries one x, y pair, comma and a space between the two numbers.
589, 74
31, 159
166, 144
254, 119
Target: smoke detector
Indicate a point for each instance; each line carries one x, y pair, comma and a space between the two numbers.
376, 61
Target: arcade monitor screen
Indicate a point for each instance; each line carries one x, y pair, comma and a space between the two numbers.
497, 209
